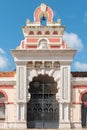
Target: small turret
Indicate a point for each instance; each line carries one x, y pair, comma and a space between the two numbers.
36, 33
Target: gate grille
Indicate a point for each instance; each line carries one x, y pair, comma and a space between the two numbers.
43, 109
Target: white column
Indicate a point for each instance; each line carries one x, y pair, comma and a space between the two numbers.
21, 94
61, 112
21, 83
65, 91
21, 111
65, 84
66, 112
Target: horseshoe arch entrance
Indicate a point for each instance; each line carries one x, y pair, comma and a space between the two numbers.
42, 108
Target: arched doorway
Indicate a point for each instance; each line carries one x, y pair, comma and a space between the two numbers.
84, 110
43, 108
2, 106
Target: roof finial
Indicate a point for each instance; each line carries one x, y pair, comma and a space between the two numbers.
43, 7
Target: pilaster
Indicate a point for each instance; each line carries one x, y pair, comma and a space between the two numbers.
21, 83
21, 93
65, 83
65, 90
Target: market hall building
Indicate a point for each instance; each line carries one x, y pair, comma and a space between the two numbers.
43, 92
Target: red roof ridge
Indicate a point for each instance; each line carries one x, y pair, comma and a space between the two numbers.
7, 74
79, 74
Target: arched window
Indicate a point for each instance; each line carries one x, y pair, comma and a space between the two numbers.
2, 106
43, 44
84, 97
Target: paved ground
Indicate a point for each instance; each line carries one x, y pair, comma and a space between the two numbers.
46, 129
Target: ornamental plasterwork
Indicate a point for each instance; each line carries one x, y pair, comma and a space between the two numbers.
35, 29
43, 44
65, 83
48, 64
38, 64
44, 64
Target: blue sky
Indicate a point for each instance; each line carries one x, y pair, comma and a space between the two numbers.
13, 15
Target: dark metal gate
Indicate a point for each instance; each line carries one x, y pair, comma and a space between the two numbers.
84, 114
84, 110
43, 109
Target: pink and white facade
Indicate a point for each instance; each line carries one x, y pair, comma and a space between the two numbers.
43, 93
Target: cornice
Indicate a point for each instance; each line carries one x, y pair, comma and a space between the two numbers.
26, 55
7, 80
8, 83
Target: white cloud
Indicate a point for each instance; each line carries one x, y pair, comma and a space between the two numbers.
5, 63
86, 14
73, 41
85, 17
3, 60
2, 51
80, 66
